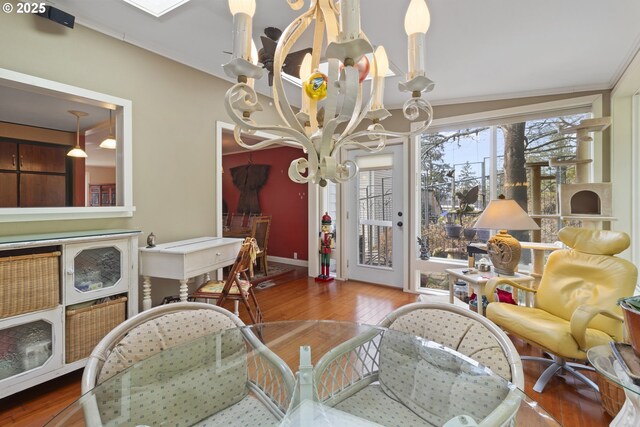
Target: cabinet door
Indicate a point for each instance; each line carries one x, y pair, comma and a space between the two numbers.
30, 345
95, 270
42, 191
8, 155
8, 190
43, 158
94, 195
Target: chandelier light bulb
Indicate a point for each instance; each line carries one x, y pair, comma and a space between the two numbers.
247, 7
417, 19
305, 67
382, 62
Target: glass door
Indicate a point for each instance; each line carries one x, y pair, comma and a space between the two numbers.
376, 218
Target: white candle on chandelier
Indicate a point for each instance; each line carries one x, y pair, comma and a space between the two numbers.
254, 60
350, 19
242, 11
416, 24
382, 67
305, 72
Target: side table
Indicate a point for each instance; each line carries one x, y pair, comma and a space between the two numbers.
477, 282
603, 360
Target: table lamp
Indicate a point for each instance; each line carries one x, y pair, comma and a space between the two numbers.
504, 250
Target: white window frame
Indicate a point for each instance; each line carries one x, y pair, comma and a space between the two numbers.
485, 118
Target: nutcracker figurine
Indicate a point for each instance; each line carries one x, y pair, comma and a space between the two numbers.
327, 242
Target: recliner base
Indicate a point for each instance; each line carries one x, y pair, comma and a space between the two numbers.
557, 364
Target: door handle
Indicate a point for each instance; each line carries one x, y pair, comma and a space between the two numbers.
399, 213
13, 160
399, 223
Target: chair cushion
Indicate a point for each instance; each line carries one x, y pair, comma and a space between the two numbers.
430, 380
181, 386
372, 404
161, 333
458, 332
543, 329
573, 278
250, 411
216, 287
597, 242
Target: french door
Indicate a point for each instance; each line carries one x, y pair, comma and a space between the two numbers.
375, 217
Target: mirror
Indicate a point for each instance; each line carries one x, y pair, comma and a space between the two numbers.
38, 126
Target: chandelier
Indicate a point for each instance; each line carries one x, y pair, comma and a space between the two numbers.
335, 104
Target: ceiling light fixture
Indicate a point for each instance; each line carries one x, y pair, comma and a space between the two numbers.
77, 151
333, 104
156, 8
110, 141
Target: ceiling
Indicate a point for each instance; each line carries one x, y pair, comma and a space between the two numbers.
476, 50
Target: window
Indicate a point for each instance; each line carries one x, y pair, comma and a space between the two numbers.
463, 167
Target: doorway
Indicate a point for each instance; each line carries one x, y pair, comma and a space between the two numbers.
376, 221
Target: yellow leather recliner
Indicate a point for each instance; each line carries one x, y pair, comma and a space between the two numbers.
576, 302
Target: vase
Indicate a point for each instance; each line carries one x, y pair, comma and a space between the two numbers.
453, 230
469, 233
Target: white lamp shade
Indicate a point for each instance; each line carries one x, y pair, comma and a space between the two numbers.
77, 152
503, 214
417, 19
242, 6
109, 143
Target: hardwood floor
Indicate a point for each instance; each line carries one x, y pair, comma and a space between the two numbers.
296, 296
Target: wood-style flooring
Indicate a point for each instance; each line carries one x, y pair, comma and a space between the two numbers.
298, 297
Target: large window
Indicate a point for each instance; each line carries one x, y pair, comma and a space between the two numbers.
463, 168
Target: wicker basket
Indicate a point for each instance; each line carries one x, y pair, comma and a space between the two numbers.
612, 395
29, 283
85, 327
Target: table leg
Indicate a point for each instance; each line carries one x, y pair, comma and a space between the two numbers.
184, 290
146, 293
451, 282
479, 299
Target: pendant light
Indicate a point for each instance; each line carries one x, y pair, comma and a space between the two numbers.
110, 142
77, 151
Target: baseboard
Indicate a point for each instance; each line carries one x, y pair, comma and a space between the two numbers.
290, 261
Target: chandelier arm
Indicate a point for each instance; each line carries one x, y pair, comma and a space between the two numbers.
295, 4
289, 36
348, 86
238, 94
411, 110
329, 16
289, 142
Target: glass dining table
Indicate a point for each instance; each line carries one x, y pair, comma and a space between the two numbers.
346, 374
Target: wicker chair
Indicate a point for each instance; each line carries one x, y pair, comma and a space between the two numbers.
182, 352
392, 379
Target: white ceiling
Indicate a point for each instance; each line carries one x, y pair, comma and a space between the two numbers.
476, 50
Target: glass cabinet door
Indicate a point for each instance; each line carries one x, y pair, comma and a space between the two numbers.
24, 347
96, 270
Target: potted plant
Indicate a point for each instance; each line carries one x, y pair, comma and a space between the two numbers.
631, 310
452, 224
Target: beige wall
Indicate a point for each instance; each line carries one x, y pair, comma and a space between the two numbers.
174, 113
625, 156
101, 175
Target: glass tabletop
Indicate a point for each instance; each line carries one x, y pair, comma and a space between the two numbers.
605, 362
344, 372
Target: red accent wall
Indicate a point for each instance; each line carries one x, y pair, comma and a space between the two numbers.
283, 199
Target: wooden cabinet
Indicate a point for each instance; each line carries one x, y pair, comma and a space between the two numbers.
43, 158
8, 155
41, 344
102, 195
33, 174
8, 190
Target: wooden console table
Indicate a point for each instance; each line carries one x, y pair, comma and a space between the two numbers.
183, 260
